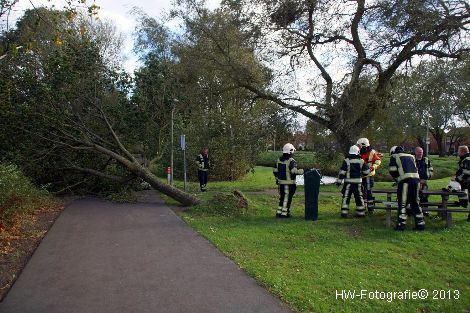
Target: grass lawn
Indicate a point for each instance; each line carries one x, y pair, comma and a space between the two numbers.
306, 263
443, 167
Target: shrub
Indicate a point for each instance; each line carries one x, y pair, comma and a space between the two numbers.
18, 195
328, 161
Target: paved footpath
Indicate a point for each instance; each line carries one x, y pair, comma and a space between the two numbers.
104, 257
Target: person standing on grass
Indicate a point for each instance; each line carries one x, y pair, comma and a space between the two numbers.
404, 171
352, 170
203, 165
285, 172
425, 172
372, 159
463, 175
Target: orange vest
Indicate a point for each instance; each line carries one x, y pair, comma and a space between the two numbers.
373, 160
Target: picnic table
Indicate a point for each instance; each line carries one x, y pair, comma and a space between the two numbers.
388, 203
445, 208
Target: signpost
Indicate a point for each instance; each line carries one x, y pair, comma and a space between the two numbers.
183, 147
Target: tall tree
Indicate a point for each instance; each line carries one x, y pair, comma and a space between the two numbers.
81, 109
427, 98
332, 46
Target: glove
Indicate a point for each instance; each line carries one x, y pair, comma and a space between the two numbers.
394, 184
338, 182
277, 182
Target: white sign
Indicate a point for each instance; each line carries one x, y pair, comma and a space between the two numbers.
183, 142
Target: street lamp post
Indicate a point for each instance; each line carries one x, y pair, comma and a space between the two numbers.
175, 101
427, 137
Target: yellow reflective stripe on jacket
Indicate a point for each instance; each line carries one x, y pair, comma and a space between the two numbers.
288, 180
429, 169
401, 173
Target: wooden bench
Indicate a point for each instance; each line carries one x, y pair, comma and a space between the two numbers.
445, 208
388, 204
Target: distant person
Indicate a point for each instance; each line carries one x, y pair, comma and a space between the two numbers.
425, 172
352, 170
404, 171
372, 159
285, 172
203, 165
463, 175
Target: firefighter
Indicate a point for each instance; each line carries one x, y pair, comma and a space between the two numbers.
351, 172
372, 159
425, 172
463, 175
285, 172
203, 164
404, 171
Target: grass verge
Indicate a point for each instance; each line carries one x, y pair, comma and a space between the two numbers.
26, 214
306, 263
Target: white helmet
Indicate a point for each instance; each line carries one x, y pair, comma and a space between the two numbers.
354, 150
363, 141
288, 148
454, 186
396, 149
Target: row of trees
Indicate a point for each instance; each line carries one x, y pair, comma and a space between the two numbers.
71, 111
72, 114
432, 97
331, 61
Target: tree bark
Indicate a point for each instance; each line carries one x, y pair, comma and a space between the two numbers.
439, 137
140, 171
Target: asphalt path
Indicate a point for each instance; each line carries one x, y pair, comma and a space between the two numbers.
101, 257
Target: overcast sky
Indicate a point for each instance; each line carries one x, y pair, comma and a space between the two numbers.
118, 12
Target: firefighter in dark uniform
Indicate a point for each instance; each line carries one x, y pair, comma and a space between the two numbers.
285, 172
372, 159
352, 170
404, 172
203, 165
425, 172
463, 175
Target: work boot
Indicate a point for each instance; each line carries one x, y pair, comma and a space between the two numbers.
344, 215
400, 227
419, 227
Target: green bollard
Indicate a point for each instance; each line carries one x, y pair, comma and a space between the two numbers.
312, 178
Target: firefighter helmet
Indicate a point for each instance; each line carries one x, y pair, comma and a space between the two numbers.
396, 149
454, 186
354, 150
288, 148
363, 142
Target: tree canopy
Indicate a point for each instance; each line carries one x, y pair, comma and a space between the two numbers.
344, 53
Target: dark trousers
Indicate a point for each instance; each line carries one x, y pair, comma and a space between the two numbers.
286, 192
349, 190
202, 175
407, 193
463, 200
367, 185
423, 198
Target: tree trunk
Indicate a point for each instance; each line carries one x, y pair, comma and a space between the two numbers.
421, 141
180, 196
439, 137
345, 139
140, 171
